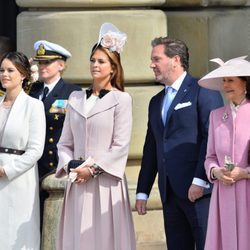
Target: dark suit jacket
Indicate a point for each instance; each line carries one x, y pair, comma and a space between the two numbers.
177, 151
54, 123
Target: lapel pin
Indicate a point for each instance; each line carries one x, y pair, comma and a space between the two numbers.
225, 116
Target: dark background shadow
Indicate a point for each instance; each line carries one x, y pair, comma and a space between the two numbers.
8, 13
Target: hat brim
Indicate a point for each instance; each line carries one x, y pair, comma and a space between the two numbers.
48, 57
214, 79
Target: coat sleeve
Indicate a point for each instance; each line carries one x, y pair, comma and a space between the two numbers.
114, 160
15, 166
211, 157
148, 169
65, 145
208, 100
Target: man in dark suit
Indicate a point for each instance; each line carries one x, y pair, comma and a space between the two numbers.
175, 147
54, 92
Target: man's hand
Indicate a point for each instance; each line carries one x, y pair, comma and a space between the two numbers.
141, 207
195, 192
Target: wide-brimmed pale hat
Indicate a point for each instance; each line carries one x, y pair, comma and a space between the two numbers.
232, 68
49, 51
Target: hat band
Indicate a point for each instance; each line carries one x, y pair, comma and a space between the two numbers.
40, 58
49, 55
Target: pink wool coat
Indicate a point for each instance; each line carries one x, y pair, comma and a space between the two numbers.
96, 215
229, 220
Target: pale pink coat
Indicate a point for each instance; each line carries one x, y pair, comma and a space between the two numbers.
229, 214
97, 215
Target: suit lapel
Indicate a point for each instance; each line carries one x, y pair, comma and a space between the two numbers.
157, 116
185, 86
53, 95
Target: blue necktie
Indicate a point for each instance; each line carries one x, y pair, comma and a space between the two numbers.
168, 98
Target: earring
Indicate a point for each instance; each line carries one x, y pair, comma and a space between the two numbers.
245, 92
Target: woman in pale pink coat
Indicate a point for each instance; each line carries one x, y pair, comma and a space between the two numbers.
96, 212
227, 162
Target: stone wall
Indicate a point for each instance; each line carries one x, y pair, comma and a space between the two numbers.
211, 28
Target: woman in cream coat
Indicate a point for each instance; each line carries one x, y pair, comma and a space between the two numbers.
22, 134
96, 212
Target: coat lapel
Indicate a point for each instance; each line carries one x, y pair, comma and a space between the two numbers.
20, 102
104, 103
78, 103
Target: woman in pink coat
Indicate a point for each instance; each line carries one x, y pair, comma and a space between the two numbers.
96, 212
228, 157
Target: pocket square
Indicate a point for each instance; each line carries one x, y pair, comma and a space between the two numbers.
182, 105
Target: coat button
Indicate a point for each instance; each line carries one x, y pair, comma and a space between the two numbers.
51, 128
50, 152
51, 164
51, 140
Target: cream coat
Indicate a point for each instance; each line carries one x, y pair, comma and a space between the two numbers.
97, 215
19, 197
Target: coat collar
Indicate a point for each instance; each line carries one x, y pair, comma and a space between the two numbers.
19, 98
78, 101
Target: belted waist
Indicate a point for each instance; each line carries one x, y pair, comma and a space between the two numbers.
11, 151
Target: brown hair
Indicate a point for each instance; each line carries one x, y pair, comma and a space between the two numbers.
174, 47
117, 78
21, 62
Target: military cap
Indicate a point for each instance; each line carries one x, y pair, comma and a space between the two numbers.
49, 51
